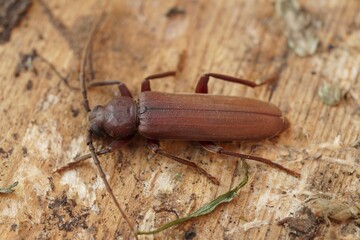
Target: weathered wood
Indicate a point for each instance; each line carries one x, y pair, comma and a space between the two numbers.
43, 124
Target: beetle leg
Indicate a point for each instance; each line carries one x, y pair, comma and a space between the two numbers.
113, 146
154, 146
145, 85
214, 148
124, 91
202, 85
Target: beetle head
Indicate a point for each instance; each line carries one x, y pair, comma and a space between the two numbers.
96, 121
117, 119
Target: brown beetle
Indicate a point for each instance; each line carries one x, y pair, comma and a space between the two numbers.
197, 117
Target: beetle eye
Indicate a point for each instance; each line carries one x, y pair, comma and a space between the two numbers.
97, 131
96, 121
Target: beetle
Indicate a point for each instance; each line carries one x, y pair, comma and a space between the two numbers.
194, 117
198, 117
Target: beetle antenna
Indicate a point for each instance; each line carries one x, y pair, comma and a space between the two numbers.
86, 105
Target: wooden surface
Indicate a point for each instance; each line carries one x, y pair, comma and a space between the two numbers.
41, 128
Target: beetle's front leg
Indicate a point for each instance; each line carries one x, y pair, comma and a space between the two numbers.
113, 146
214, 148
124, 91
154, 146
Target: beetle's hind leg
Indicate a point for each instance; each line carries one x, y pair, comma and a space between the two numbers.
154, 146
202, 85
214, 148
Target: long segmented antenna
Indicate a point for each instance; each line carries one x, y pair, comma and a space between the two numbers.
87, 108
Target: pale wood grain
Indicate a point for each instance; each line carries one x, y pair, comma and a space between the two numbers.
239, 38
